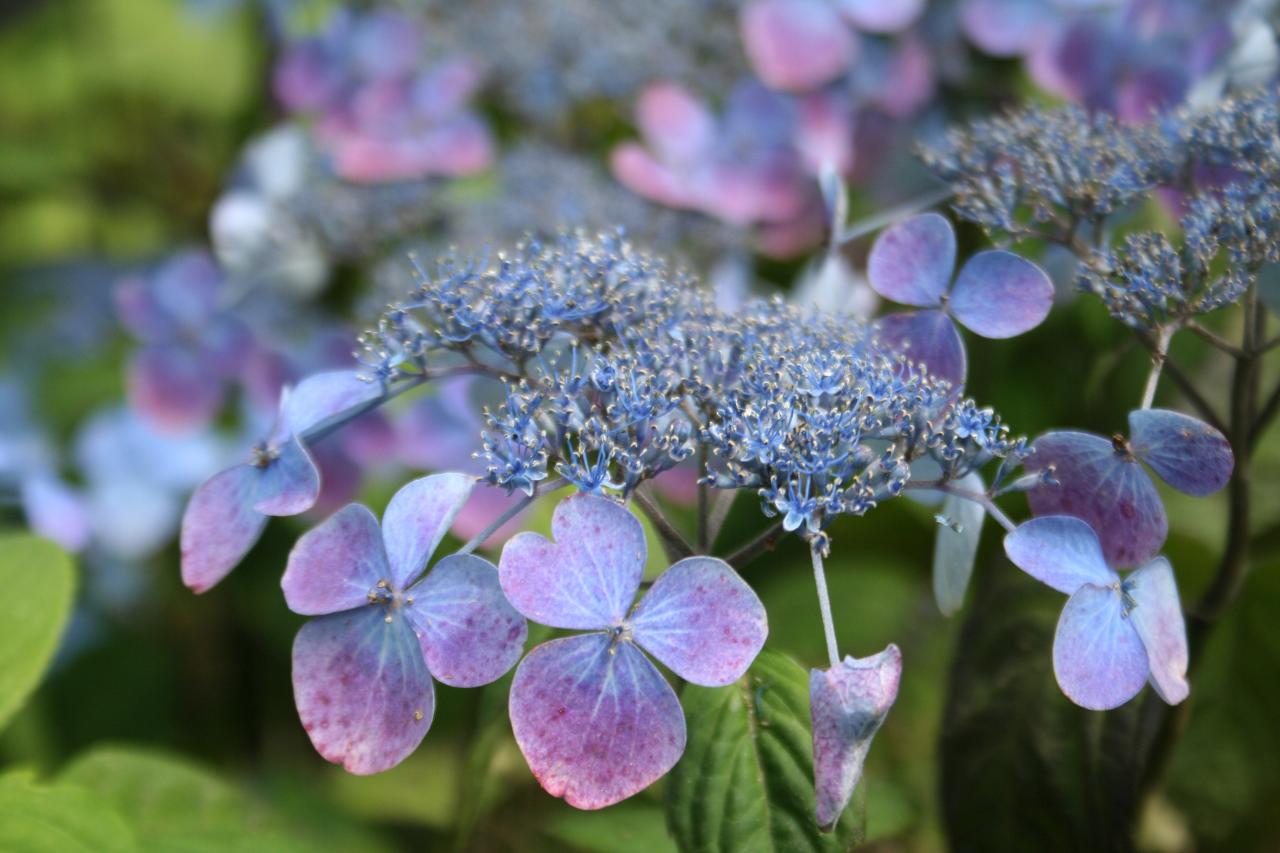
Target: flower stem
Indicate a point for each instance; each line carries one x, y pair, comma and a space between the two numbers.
1159, 356
510, 513
824, 604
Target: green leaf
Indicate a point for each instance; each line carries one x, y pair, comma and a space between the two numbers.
38, 581
746, 779
58, 819
623, 828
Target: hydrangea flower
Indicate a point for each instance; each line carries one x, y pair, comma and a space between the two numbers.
363, 670
595, 719
192, 347
848, 703
227, 513
1099, 479
997, 294
1114, 634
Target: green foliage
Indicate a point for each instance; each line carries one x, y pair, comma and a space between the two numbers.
623, 828
746, 779
39, 583
60, 818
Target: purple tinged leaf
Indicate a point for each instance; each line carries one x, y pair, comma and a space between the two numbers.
1157, 618
912, 261
335, 565
1106, 488
469, 633
220, 526
362, 688
702, 620
417, 518
289, 483
1098, 658
927, 337
999, 294
587, 577
324, 395
1188, 454
848, 703
796, 45
1061, 551
595, 719
881, 16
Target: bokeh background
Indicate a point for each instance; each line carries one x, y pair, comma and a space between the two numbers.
132, 131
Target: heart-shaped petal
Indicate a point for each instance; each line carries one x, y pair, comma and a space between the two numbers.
1188, 454
1061, 551
912, 261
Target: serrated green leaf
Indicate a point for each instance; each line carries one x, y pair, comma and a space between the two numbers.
58, 819
39, 582
746, 779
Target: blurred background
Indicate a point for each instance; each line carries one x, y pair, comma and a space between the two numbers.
202, 201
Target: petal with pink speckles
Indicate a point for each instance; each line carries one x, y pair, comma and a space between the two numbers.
1188, 454
796, 45
1061, 551
702, 620
587, 577
1108, 489
1098, 658
848, 703
927, 337
1157, 617
220, 526
289, 483
912, 262
595, 719
999, 295
334, 566
362, 688
417, 518
470, 633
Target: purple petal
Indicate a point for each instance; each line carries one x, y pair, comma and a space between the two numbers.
1105, 488
1157, 618
1061, 551
1005, 27
796, 45
1188, 454
470, 633
999, 294
595, 720
639, 171
323, 395
56, 511
334, 566
362, 688
881, 16
848, 703
220, 526
678, 126
912, 262
587, 577
417, 518
702, 621
927, 337
173, 387
1097, 656
289, 483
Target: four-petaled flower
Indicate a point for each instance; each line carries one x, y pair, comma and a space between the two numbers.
227, 513
362, 671
1114, 634
593, 716
997, 294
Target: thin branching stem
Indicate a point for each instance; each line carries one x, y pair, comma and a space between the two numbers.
511, 512
824, 604
672, 539
766, 540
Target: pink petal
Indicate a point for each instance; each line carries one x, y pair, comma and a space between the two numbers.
587, 577
220, 526
595, 720
173, 388
417, 518
1097, 657
702, 620
796, 45
911, 262
334, 567
641, 173
1157, 618
678, 126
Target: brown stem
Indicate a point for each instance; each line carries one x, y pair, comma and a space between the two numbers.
767, 540
677, 546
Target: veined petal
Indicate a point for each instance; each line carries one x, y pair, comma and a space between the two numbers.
595, 719
1097, 656
290, 483
1188, 454
417, 518
912, 261
1157, 617
470, 634
927, 337
323, 395
1061, 551
334, 566
999, 295
362, 688
848, 703
587, 577
702, 620
220, 526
